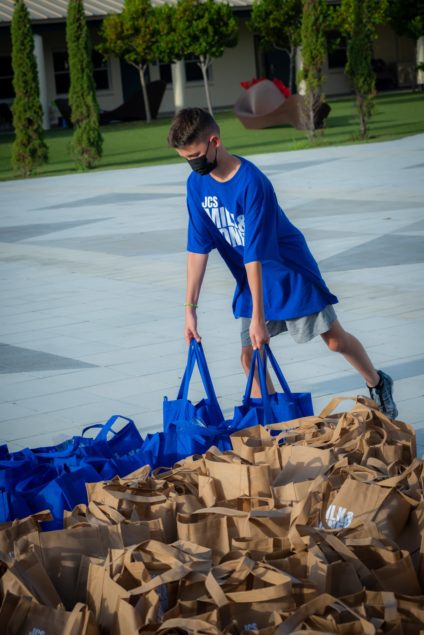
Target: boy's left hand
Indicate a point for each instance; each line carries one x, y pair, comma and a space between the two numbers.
258, 332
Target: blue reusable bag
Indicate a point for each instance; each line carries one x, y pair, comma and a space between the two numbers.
78, 450
281, 406
55, 488
206, 411
122, 442
12, 505
184, 438
152, 452
54, 477
13, 470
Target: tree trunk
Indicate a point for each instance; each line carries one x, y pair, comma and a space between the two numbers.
145, 99
308, 113
292, 62
311, 116
419, 56
363, 119
204, 63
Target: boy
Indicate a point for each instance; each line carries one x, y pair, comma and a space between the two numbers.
232, 207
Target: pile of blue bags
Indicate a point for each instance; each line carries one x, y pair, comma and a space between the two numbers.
54, 477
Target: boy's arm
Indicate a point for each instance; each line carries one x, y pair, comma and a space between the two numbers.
196, 267
258, 331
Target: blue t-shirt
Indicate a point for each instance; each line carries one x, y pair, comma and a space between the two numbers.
242, 219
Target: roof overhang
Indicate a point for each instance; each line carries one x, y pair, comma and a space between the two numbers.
55, 10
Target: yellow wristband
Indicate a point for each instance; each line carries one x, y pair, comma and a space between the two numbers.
193, 306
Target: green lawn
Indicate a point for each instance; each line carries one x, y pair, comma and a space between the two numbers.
139, 144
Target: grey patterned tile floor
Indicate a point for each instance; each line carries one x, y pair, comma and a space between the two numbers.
93, 274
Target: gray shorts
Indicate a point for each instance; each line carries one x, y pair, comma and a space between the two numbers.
301, 329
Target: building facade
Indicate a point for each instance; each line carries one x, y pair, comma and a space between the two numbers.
116, 81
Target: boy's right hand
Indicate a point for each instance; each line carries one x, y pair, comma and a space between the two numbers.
190, 326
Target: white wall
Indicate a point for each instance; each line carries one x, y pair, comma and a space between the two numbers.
108, 99
236, 65
336, 82
393, 48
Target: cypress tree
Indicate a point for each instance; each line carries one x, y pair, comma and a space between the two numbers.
359, 19
314, 49
87, 141
29, 149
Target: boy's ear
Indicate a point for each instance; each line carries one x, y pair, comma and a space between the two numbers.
216, 140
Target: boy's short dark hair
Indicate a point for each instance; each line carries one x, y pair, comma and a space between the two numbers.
191, 125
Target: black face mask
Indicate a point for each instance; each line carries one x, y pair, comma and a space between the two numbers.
201, 165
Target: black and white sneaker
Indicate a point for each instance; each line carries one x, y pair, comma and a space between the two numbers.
382, 394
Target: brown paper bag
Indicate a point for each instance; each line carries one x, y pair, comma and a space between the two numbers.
167, 566
13, 531
244, 581
308, 511
355, 428
248, 441
191, 626
20, 615
263, 524
399, 577
61, 552
305, 460
207, 530
357, 503
412, 612
129, 620
250, 596
122, 495
259, 548
26, 575
207, 491
103, 595
233, 480
319, 605
300, 466
305, 431
270, 455
242, 590
337, 578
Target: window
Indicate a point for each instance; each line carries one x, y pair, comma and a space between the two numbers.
6, 76
336, 46
100, 71
165, 73
61, 72
193, 71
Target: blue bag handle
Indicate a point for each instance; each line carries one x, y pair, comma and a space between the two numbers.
197, 354
277, 370
185, 382
283, 382
106, 427
260, 363
60, 454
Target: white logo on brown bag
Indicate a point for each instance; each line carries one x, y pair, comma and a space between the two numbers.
338, 517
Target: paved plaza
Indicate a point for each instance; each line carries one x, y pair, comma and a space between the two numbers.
93, 278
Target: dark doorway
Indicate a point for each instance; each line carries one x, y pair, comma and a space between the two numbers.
277, 64
130, 78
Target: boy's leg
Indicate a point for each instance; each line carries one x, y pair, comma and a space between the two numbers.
379, 384
340, 341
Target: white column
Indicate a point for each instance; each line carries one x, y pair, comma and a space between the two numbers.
301, 88
420, 58
42, 81
178, 83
